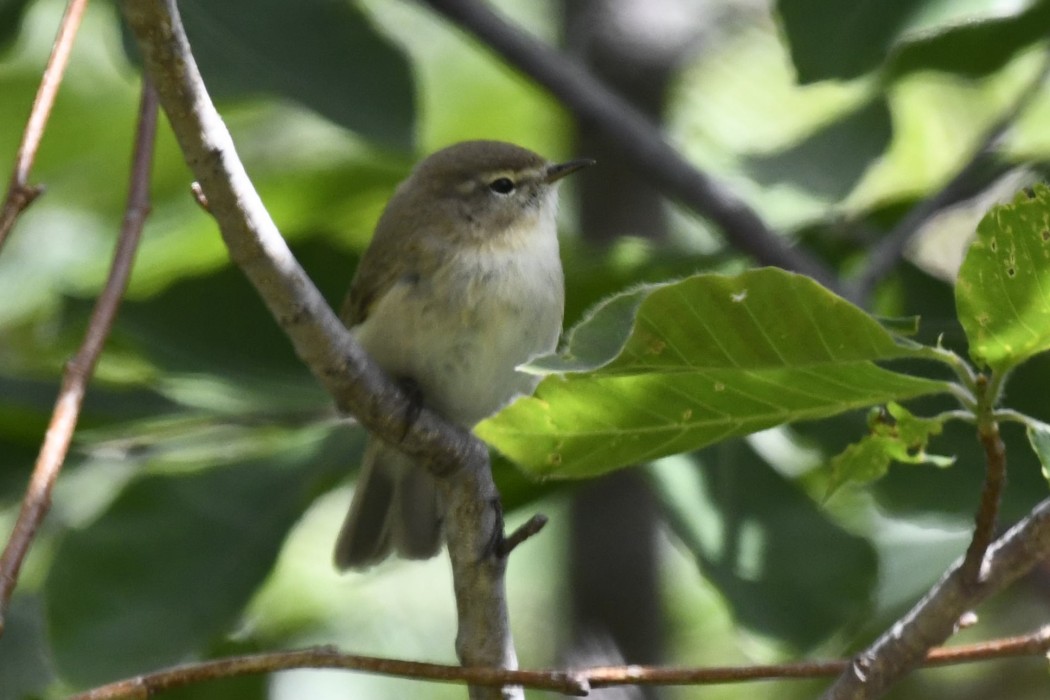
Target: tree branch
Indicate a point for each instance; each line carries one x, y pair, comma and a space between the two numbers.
884, 258
19, 193
474, 525
933, 619
571, 682
991, 495
80, 369
596, 107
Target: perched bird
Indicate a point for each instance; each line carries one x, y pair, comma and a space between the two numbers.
461, 284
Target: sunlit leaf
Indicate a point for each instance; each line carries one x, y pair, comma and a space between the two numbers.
1003, 291
760, 319
704, 359
896, 436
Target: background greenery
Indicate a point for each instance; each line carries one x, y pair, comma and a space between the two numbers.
197, 513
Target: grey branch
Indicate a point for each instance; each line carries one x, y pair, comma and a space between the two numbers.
904, 646
644, 147
358, 386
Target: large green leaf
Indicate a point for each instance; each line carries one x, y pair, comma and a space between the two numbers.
169, 567
674, 367
760, 319
831, 39
1003, 291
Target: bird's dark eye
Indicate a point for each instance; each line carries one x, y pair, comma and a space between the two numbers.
503, 185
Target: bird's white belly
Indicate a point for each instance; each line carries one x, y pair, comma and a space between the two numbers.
460, 335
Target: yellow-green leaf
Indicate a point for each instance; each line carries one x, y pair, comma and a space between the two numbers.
1003, 292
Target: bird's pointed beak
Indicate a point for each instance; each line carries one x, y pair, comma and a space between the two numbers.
559, 170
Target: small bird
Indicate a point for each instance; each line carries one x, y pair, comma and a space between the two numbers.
461, 284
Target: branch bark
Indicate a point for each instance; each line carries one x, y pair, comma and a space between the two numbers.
37, 501
933, 619
474, 524
570, 682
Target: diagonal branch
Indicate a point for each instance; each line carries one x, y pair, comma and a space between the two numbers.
889, 250
79, 371
473, 520
597, 107
19, 193
933, 619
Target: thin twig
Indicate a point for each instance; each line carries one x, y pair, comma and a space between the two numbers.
644, 147
79, 370
568, 682
145, 686
888, 252
472, 519
529, 528
932, 620
19, 193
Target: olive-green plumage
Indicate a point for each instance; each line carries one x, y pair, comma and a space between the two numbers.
461, 284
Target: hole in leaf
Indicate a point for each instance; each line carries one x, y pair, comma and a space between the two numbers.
1046, 235
993, 245
1011, 271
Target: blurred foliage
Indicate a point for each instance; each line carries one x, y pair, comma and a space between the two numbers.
845, 40
197, 512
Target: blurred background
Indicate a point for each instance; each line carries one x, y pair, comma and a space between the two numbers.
209, 476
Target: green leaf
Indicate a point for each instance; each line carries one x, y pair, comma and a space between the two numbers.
25, 664
706, 358
1039, 437
321, 53
975, 48
1003, 292
763, 543
900, 325
116, 607
831, 160
831, 39
759, 319
896, 436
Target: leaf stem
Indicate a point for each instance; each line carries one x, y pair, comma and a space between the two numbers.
964, 415
1009, 415
961, 367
